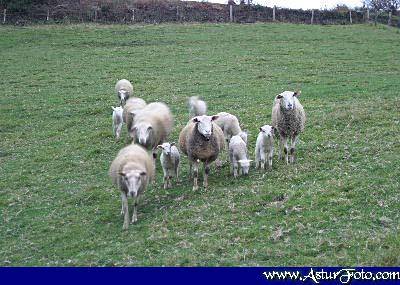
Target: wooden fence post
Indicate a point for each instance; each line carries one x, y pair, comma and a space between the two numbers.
273, 14
231, 13
95, 15
48, 14
351, 19
390, 18
376, 16
4, 16
133, 14
312, 16
367, 15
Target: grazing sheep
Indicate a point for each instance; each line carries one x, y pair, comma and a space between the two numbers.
238, 156
169, 159
197, 107
264, 147
131, 171
201, 140
117, 121
289, 118
131, 107
124, 90
152, 126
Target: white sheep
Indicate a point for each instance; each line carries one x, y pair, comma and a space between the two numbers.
131, 172
169, 159
117, 121
289, 118
197, 107
264, 147
131, 107
124, 90
152, 126
201, 140
238, 156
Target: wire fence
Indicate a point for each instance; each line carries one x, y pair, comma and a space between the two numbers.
162, 12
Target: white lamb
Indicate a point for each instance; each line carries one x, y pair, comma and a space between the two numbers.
264, 147
169, 159
197, 107
238, 156
117, 121
124, 90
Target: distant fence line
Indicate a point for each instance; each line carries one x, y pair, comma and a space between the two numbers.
161, 12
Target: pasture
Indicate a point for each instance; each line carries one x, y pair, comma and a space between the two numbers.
338, 205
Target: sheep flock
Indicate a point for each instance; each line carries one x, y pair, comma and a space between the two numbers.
203, 139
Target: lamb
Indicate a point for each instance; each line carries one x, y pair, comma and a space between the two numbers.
124, 90
264, 147
131, 107
152, 126
238, 156
117, 121
197, 107
169, 159
201, 140
289, 118
229, 124
131, 172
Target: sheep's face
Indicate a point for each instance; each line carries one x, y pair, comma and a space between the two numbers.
204, 125
143, 133
244, 134
123, 96
133, 181
245, 165
287, 99
166, 148
267, 131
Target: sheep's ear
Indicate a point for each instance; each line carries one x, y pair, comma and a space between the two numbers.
159, 146
261, 129
122, 173
133, 112
172, 144
195, 120
215, 117
143, 173
112, 107
279, 96
297, 93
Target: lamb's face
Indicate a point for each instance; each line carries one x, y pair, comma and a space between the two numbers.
143, 133
204, 125
267, 131
133, 181
166, 148
287, 100
245, 165
122, 95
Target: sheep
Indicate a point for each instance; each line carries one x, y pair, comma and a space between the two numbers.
264, 147
197, 107
201, 140
131, 172
152, 126
289, 118
124, 90
238, 156
117, 121
169, 159
131, 107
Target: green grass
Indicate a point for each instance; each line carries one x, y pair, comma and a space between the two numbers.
338, 205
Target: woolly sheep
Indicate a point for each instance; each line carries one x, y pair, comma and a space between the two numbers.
131, 172
169, 159
131, 107
124, 90
201, 140
238, 156
288, 117
152, 126
117, 121
197, 107
264, 147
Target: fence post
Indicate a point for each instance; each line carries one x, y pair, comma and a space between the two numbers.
48, 14
390, 18
376, 16
4, 16
351, 19
95, 14
367, 15
133, 14
273, 13
231, 12
312, 16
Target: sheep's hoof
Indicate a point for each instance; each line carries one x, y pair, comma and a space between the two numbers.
125, 227
195, 188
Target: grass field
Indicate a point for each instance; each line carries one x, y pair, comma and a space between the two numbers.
339, 205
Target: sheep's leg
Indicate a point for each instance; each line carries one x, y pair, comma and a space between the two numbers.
177, 173
227, 150
154, 165
126, 211
170, 181
190, 170
280, 149
135, 204
118, 132
285, 148
257, 159
262, 159
206, 172
122, 204
195, 175
235, 169
231, 162
293, 149
270, 156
